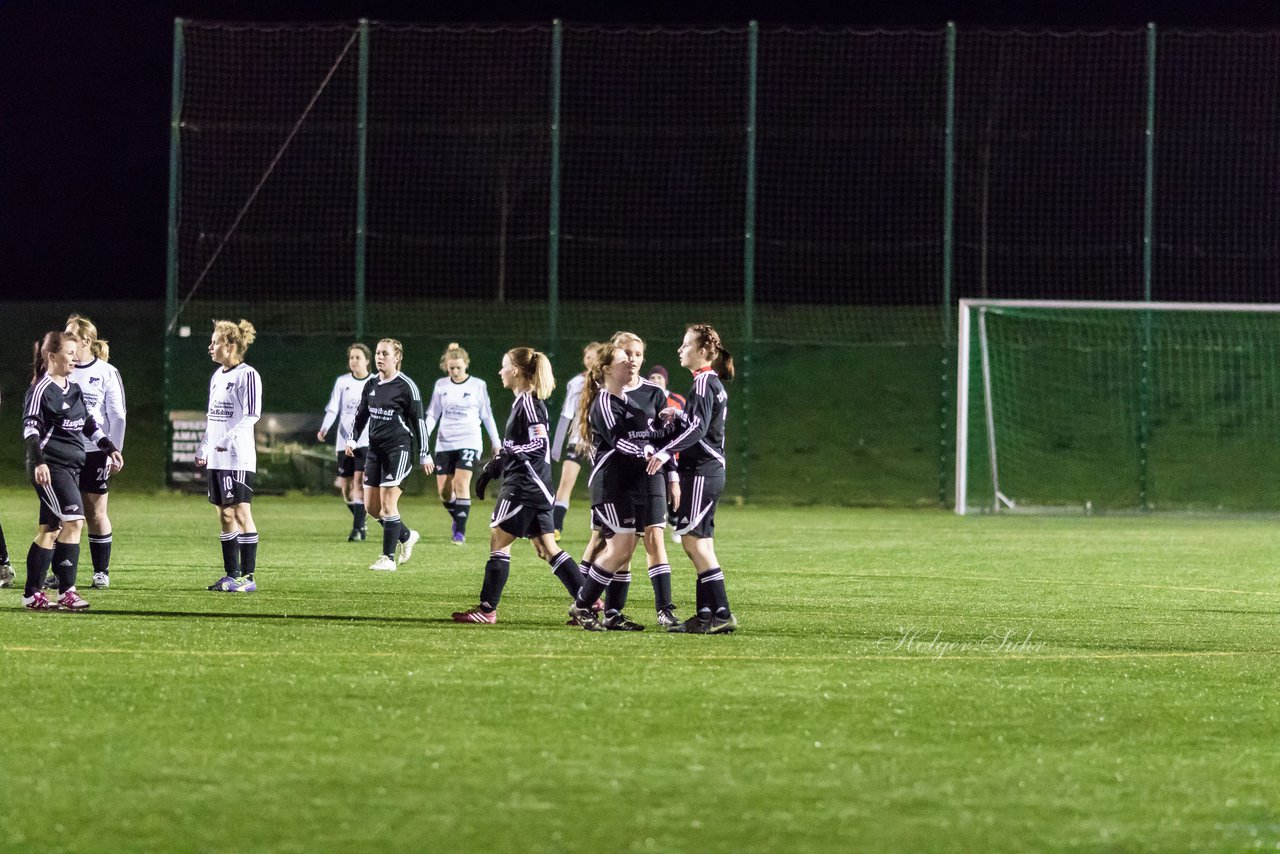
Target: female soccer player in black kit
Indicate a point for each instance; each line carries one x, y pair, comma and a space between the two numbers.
523, 508
699, 440
392, 407
651, 514
53, 418
619, 429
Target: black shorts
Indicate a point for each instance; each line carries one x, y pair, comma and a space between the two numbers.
572, 455
699, 494
521, 520
387, 466
653, 510
60, 501
348, 466
447, 462
228, 488
95, 475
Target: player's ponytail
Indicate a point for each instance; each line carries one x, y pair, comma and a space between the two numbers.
708, 339
535, 370
247, 335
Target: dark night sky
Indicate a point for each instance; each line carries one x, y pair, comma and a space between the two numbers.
85, 89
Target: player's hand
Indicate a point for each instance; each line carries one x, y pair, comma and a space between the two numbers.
428, 465
351, 450
117, 462
668, 413
655, 464
673, 494
201, 462
41, 475
320, 435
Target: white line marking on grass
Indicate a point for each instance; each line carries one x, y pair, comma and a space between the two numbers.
1047, 581
505, 655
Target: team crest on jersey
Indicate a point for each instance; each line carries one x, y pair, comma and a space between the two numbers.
230, 386
93, 380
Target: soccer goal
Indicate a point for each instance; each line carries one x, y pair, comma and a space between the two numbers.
1117, 406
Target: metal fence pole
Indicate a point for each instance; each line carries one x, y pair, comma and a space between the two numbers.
1146, 368
749, 250
946, 444
553, 229
171, 265
362, 186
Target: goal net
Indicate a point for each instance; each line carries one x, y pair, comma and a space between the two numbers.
1117, 406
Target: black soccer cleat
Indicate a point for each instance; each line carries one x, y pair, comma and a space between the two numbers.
695, 625
722, 625
586, 618
620, 622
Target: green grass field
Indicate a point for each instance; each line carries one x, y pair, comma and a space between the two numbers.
903, 681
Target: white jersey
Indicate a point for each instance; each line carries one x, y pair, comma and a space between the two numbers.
235, 405
572, 394
343, 403
103, 394
459, 409
568, 422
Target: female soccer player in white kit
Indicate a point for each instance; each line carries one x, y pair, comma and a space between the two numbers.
568, 442
229, 451
103, 393
343, 402
459, 406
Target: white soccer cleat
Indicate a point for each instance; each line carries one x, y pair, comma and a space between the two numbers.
6, 575
406, 548
383, 564
101, 581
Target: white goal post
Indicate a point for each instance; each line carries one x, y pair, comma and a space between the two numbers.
973, 333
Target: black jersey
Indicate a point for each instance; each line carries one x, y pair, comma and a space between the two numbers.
393, 410
652, 399
621, 430
526, 452
699, 429
58, 417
